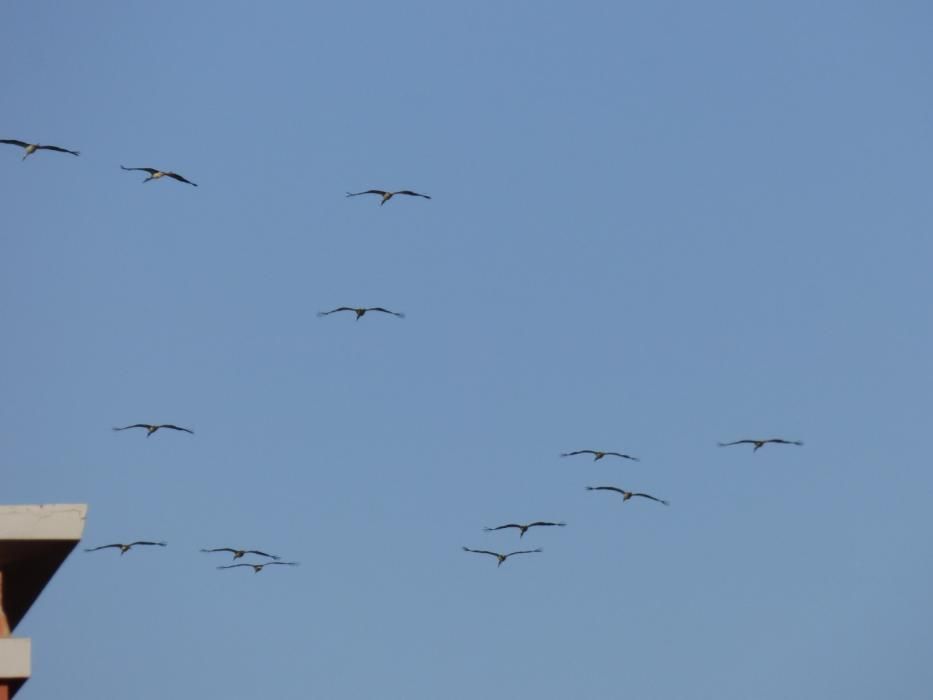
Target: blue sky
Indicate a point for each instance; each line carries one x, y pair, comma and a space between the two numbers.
653, 227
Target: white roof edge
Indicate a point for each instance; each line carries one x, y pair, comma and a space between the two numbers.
57, 521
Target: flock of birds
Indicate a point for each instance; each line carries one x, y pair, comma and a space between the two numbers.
273, 560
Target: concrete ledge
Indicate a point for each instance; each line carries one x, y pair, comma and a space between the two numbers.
15, 658
61, 521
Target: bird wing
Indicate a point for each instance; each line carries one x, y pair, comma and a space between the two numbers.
605, 488
282, 563
157, 544
502, 527
176, 176
175, 427
356, 194
262, 554
385, 311
412, 194
645, 495
105, 546
220, 549
524, 551
619, 454
544, 524
21, 144
737, 442
781, 441
333, 311
481, 551
135, 425
232, 566
60, 150
578, 452
151, 171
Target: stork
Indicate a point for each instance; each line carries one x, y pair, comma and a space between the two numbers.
501, 557
598, 455
522, 529
626, 495
150, 429
758, 444
360, 311
31, 148
386, 196
156, 174
259, 567
238, 553
124, 548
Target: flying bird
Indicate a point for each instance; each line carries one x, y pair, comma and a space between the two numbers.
259, 567
386, 196
360, 312
625, 494
150, 429
597, 455
501, 557
522, 529
760, 443
237, 553
31, 148
156, 174
124, 548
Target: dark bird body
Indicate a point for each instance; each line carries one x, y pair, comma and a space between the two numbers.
386, 196
360, 311
238, 553
597, 455
150, 429
124, 548
31, 148
522, 529
626, 495
259, 567
761, 443
501, 557
156, 174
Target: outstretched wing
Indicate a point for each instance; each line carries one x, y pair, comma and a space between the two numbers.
524, 551
21, 144
645, 495
619, 454
481, 551
157, 544
502, 527
282, 563
385, 311
151, 171
333, 311
233, 566
176, 176
357, 194
220, 549
578, 452
105, 546
135, 425
605, 488
60, 150
175, 427
412, 194
737, 442
263, 554
544, 524
781, 441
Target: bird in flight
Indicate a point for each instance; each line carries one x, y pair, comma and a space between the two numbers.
124, 548
259, 567
625, 494
501, 557
386, 196
237, 553
522, 529
156, 174
150, 429
31, 148
597, 455
758, 444
360, 312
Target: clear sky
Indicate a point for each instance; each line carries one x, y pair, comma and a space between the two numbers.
653, 227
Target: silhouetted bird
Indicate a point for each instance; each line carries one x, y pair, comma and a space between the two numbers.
501, 557
150, 429
237, 553
156, 174
597, 455
625, 494
386, 196
259, 567
760, 443
522, 529
31, 148
124, 548
360, 311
